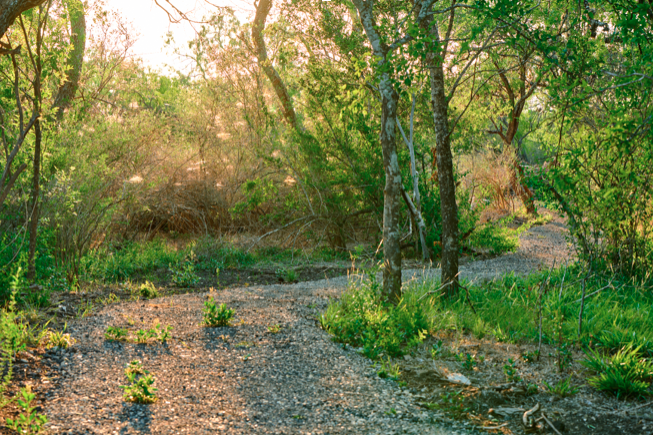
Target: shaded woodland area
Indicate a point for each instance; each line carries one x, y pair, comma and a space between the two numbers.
342, 131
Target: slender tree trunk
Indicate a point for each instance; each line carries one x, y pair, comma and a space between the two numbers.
36, 188
262, 11
444, 160
415, 208
393, 184
67, 91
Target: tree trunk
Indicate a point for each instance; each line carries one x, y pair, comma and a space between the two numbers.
11, 9
415, 208
391, 195
262, 11
393, 184
67, 91
444, 159
34, 218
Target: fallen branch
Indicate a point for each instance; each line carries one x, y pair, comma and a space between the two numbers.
492, 427
528, 414
269, 233
550, 424
639, 407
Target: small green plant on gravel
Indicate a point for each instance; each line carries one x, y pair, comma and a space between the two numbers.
162, 333
28, 422
142, 335
59, 339
147, 290
286, 275
245, 344
274, 329
111, 299
85, 309
469, 362
391, 412
532, 389
389, 370
531, 356
115, 333
562, 389
452, 403
510, 370
214, 315
139, 388
437, 349
625, 374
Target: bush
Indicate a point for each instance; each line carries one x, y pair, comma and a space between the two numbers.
603, 181
361, 319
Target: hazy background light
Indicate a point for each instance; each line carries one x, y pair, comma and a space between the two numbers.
152, 24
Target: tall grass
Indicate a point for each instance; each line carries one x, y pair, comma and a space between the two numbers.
506, 309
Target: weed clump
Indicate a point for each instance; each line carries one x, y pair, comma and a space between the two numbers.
562, 389
59, 339
624, 374
148, 291
114, 333
214, 315
286, 275
139, 388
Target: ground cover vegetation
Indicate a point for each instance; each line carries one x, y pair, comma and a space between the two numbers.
325, 132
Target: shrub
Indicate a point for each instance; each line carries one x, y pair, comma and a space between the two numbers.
624, 374
216, 315
183, 273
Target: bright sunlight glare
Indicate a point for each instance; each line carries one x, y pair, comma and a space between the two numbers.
152, 24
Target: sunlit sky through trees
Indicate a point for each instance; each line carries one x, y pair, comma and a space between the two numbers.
152, 24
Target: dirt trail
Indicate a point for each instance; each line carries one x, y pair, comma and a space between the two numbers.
245, 379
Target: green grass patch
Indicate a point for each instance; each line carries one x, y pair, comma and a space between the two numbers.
618, 318
499, 237
362, 320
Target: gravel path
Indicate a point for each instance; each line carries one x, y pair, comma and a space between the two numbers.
244, 379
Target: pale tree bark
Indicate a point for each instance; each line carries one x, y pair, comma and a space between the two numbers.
444, 160
393, 184
415, 208
67, 91
11, 9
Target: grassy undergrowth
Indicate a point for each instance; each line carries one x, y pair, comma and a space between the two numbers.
616, 318
159, 256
